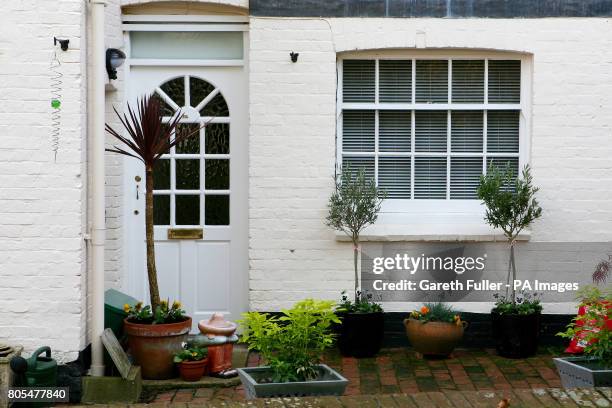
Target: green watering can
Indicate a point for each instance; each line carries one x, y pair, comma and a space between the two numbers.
42, 370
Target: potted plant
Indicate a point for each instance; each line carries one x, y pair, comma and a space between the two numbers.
436, 329
192, 362
511, 206
592, 330
291, 344
354, 205
155, 332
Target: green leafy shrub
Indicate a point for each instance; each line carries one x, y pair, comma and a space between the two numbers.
191, 354
291, 344
164, 313
437, 312
512, 207
355, 204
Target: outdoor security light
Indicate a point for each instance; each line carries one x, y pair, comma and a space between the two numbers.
114, 59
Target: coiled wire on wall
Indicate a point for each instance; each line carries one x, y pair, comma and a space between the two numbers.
56, 103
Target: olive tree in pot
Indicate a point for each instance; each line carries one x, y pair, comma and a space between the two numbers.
291, 345
354, 205
511, 206
156, 332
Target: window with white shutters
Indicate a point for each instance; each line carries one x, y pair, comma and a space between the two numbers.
428, 128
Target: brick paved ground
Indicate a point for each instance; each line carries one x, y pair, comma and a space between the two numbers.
400, 371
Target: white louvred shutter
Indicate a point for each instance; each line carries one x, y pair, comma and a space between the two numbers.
358, 80
467, 131
504, 81
430, 131
430, 178
431, 81
357, 163
503, 131
395, 81
394, 131
468, 81
465, 176
358, 129
394, 176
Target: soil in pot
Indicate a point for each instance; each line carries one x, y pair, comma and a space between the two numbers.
434, 338
193, 370
153, 346
516, 336
361, 334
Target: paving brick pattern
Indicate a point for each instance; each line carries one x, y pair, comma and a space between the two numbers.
464, 379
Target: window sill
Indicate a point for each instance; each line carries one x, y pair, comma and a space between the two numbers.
432, 233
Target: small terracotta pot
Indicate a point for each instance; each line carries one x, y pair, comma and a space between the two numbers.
153, 346
193, 370
434, 338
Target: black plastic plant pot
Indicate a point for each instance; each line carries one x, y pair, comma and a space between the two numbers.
516, 336
361, 334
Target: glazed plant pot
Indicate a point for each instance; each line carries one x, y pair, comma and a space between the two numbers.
434, 338
328, 383
153, 346
579, 372
193, 370
361, 334
516, 336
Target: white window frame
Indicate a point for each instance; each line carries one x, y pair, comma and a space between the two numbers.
436, 211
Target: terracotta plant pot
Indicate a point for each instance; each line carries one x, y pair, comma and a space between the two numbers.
193, 370
153, 346
434, 338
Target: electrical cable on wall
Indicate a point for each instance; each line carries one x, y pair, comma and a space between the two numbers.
56, 103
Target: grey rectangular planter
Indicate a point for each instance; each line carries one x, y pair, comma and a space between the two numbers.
575, 376
330, 383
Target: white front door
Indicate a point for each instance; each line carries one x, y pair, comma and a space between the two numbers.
201, 185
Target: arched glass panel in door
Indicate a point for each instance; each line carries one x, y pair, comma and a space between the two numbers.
192, 181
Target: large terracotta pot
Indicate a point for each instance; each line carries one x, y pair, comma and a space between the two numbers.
193, 370
434, 338
153, 346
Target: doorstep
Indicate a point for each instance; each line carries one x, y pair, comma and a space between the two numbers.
239, 359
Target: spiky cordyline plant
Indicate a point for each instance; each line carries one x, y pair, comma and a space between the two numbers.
148, 138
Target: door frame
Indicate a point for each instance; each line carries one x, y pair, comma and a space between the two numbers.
130, 281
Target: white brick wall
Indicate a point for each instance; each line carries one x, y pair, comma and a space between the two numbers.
42, 202
292, 139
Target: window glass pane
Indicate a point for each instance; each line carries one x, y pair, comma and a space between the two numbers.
503, 131
166, 110
188, 174
432, 81
394, 176
187, 210
358, 131
467, 131
468, 81
358, 80
217, 174
186, 45
161, 175
198, 90
217, 138
215, 107
504, 81
395, 81
357, 163
161, 209
217, 210
394, 128
175, 89
465, 177
431, 131
430, 178
190, 145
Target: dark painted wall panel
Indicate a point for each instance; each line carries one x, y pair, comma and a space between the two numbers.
432, 8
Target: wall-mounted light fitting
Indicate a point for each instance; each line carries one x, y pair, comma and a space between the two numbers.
63, 43
294, 56
114, 59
